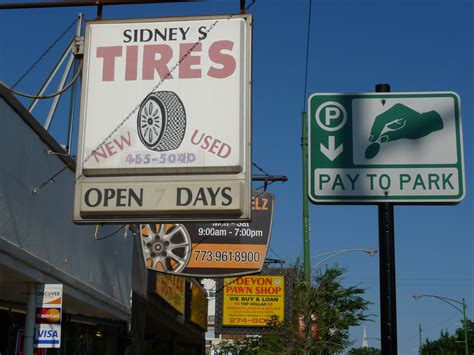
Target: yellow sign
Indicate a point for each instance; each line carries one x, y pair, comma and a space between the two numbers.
171, 289
252, 300
199, 306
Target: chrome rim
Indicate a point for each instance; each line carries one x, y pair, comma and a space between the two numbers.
166, 247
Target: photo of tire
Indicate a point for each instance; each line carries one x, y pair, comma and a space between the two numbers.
161, 121
166, 247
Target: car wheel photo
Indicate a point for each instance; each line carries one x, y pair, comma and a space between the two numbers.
166, 247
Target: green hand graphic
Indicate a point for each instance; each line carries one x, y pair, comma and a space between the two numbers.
400, 122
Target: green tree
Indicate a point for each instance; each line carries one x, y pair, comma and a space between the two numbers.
246, 345
448, 344
335, 309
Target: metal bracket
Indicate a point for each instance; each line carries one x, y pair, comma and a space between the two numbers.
78, 47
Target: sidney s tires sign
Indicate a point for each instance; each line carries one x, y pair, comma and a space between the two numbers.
165, 120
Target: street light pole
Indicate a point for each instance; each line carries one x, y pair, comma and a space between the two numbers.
332, 254
419, 333
449, 301
465, 326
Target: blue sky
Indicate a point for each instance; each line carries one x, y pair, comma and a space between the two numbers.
414, 45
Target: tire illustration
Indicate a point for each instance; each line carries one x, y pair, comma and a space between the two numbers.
166, 247
161, 121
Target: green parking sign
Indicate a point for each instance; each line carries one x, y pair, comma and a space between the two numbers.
393, 147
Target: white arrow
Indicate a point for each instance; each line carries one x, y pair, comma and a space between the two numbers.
331, 152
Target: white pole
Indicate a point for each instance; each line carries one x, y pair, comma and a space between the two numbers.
30, 320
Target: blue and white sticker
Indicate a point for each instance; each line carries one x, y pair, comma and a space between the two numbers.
47, 335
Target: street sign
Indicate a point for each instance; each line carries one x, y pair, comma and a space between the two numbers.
210, 249
165, 121
393, 147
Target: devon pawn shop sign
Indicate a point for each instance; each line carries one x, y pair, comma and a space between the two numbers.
165, 120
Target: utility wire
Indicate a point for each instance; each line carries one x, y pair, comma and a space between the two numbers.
44, 54
51, 179
261, 170
306, 78
307, 55
274, 252
96, 237
73, 80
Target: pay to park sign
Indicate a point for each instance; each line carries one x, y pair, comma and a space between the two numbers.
165, 120
395, 147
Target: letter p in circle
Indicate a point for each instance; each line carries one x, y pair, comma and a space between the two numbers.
331, 116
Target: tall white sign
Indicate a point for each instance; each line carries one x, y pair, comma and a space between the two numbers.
49, 300
165, 120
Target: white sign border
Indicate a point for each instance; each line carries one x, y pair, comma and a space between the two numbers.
338, 200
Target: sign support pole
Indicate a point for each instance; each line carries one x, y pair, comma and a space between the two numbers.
306, 244
28, 345
388, 299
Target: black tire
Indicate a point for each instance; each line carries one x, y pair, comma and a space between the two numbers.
161, 121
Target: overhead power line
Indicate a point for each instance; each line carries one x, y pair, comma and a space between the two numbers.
51, 46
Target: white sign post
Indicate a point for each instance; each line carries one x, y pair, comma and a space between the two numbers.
386, 147
165, 120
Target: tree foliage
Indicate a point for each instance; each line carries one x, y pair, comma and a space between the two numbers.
448, 344
335, 309
247, 346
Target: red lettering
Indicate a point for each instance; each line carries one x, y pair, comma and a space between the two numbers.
185, 70
131, 66
123, 139
150, 63
110, 148
214, 145
96, 154
226, 61
206, 143
157, 58
108, 54
225, 150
